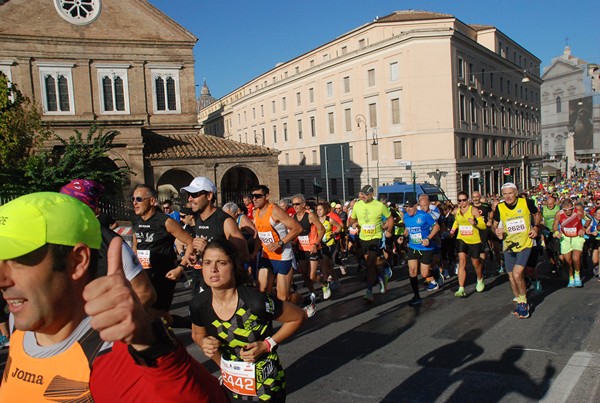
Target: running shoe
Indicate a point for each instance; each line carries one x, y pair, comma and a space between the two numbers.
4, 341
596, 271
327, 291
440, 279
515, 300
334, 285
501, 270
522, 311
383, 285
415, 301
537, 286
311, 308
446, 274
571, 282
480, 285
577, 281
343, 270
433, 286
460, 293
456, 269
369, 296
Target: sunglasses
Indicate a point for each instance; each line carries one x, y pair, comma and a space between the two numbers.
296, 204
182, 215
195, 195
462, 200
257, 195
138, 199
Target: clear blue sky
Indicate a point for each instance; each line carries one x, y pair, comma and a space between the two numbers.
241, 39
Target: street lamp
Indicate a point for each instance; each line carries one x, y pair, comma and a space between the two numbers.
437, 175
376, 143
361, 119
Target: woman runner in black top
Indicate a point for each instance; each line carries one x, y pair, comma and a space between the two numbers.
233, 324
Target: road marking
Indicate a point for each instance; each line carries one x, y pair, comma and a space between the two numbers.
565, 382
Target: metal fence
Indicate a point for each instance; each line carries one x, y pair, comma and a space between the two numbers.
112, 205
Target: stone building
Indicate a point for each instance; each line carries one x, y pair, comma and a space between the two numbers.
414, 94
126, 66
571, 112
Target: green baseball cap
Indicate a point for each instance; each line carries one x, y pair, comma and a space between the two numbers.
33, 220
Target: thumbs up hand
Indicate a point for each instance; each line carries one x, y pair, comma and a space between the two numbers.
115, 310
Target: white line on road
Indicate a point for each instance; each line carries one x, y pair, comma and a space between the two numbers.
565, 382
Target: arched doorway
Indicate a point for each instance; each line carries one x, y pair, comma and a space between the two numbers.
170, 182
236, 183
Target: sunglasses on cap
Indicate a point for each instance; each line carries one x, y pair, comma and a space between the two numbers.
257, 195
138, 199
195, 195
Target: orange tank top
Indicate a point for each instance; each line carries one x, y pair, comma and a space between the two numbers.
266, 233
63, 377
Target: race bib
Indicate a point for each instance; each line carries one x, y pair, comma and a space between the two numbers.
144, 258
239, 377
303, 240
415, 237
465, 230
570, 232
368, 229
515, 225
266, 237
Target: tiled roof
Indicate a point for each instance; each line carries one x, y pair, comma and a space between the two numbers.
169, 146
479, 27
413, 15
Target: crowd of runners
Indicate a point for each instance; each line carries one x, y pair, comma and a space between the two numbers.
240, 261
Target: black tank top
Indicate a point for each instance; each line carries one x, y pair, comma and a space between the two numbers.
304, 223
152, 235
213, 228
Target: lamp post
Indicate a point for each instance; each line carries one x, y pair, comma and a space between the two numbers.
361, 119
376, 143
437, 175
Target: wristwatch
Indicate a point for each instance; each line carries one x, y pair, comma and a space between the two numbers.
165, 343
280, 243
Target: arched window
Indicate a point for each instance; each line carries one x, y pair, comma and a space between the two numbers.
558, 105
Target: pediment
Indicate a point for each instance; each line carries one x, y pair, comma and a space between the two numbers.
559, 67
129, 20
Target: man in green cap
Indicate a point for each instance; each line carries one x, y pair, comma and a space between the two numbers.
75, 338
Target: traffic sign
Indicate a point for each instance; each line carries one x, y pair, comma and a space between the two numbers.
506, 171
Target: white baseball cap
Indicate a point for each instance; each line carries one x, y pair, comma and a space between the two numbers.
200, 183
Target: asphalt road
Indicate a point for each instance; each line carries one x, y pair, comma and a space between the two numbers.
446, 350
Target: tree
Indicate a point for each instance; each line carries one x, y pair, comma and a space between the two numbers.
21, 130
77, 157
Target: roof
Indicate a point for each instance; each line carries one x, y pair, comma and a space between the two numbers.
480, 27
169, 146
413, 15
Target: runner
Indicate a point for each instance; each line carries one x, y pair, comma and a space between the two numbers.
512, 222
276, 231
549, 211
328, 246
421, 228
368, 213
308, 252
435, 279
571, 239
469, 224
211, 223
485, 212
155, 234
76, 338
233, 324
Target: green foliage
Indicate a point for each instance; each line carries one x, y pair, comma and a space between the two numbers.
78, 157
21, 130
25, 166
